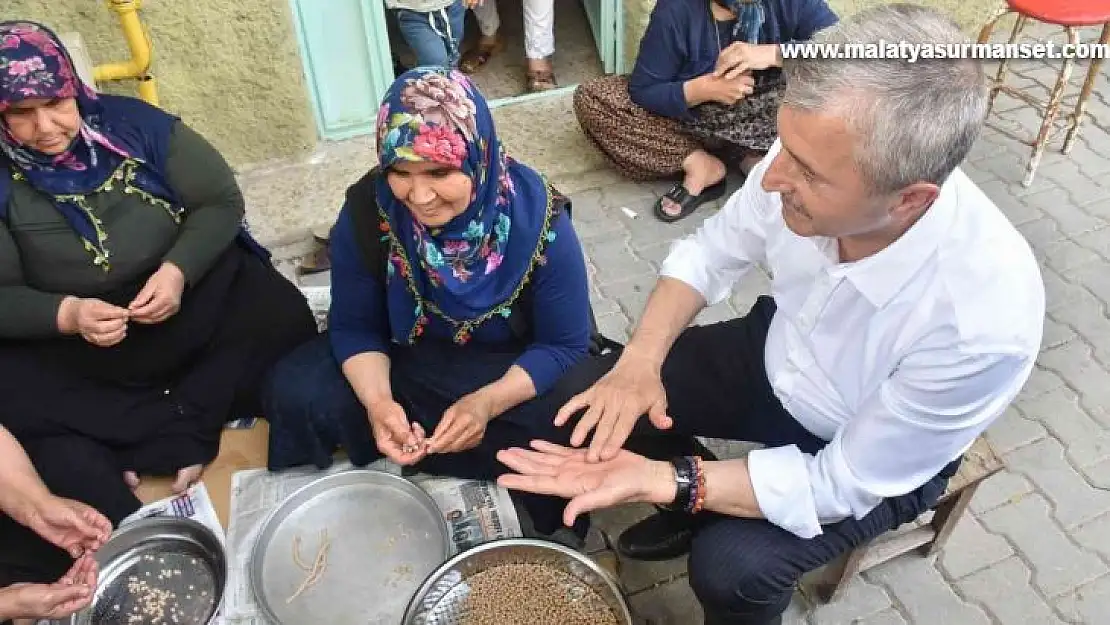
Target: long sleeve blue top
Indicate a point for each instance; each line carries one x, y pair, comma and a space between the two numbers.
683, 41
358, 321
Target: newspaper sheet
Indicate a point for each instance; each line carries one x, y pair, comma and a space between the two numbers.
477, 512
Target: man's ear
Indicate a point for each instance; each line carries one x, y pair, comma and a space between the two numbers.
913, 200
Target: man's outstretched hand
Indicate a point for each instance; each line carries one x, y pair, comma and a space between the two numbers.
613, 405
550, 469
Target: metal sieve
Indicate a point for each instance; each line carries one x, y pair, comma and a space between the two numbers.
440, 599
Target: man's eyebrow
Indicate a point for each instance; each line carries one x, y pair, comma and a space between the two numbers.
802, 162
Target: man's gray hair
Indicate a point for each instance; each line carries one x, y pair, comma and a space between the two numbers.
915, 122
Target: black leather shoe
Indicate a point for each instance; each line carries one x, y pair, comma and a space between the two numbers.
662, 536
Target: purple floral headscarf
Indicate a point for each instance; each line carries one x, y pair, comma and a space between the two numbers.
35, 64
478, 262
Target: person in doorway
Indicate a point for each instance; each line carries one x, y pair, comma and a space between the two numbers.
539, 41
906, 314
433, 29
702, 97
76, 530
459, 300
131, 290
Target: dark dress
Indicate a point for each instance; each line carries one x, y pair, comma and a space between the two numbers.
157, 401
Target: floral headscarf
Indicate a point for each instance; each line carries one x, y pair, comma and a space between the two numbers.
475, 266
35, 64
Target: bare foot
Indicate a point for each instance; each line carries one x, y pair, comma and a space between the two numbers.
131, 479
186, 477
702, 170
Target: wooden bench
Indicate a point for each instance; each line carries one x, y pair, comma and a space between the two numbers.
927, 537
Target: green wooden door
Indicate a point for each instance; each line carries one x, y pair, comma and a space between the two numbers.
605, 17
345, 51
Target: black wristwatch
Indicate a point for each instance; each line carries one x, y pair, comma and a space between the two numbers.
684, 480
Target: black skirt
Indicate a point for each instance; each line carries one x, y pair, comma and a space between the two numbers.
155, 403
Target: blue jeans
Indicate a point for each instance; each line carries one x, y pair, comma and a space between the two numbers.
434, 37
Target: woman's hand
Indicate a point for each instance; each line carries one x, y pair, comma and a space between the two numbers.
556, 470
633, 387
743, 58
68, 524
97, 321
70, 594
160, 298
395, 437
463, 425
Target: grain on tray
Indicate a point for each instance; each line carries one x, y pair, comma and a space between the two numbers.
532, 594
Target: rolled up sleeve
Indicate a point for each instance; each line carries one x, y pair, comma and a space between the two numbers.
919, 420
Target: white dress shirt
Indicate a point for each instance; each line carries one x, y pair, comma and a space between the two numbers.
900, 359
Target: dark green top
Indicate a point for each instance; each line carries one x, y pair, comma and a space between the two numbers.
42, 259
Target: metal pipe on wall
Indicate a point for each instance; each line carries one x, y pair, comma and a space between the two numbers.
138, 67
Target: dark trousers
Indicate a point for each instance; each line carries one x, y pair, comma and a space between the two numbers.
743, 571
313, 412
155, 403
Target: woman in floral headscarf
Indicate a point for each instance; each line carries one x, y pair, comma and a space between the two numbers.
131, 294
459, 300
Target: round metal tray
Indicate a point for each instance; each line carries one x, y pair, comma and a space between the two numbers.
384, 535
160, 570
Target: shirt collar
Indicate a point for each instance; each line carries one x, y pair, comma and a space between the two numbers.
883, 275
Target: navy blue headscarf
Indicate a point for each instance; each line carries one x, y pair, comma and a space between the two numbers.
476, 265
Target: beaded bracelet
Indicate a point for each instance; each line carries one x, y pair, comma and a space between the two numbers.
699, 486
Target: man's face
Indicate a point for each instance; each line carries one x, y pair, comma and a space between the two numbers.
822, 192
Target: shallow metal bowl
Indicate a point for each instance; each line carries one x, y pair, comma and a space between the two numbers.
439, 600
378, 534
175, 563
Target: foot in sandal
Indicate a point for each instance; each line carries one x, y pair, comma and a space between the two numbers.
473, 60
704, 182
541, 75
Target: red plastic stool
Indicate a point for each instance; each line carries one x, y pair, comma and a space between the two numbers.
1070, 15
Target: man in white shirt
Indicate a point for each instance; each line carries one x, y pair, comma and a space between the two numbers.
906, 314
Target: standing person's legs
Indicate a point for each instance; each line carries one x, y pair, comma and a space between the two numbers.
489, 23
420, 32
539, 43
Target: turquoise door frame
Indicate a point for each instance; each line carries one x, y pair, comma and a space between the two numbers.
344, 48
345, 51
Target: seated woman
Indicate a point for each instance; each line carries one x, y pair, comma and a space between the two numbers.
138, 316
459, 300
703, 95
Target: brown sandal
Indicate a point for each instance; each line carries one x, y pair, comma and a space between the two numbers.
541, 80
473, 60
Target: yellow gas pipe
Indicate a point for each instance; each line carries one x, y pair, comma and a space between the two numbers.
139, 66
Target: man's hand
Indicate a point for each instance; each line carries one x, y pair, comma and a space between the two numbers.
556, 470
98, 322
70, 594
160, 298
615, 402
743, 58
463, 425
68, 524
395, 437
